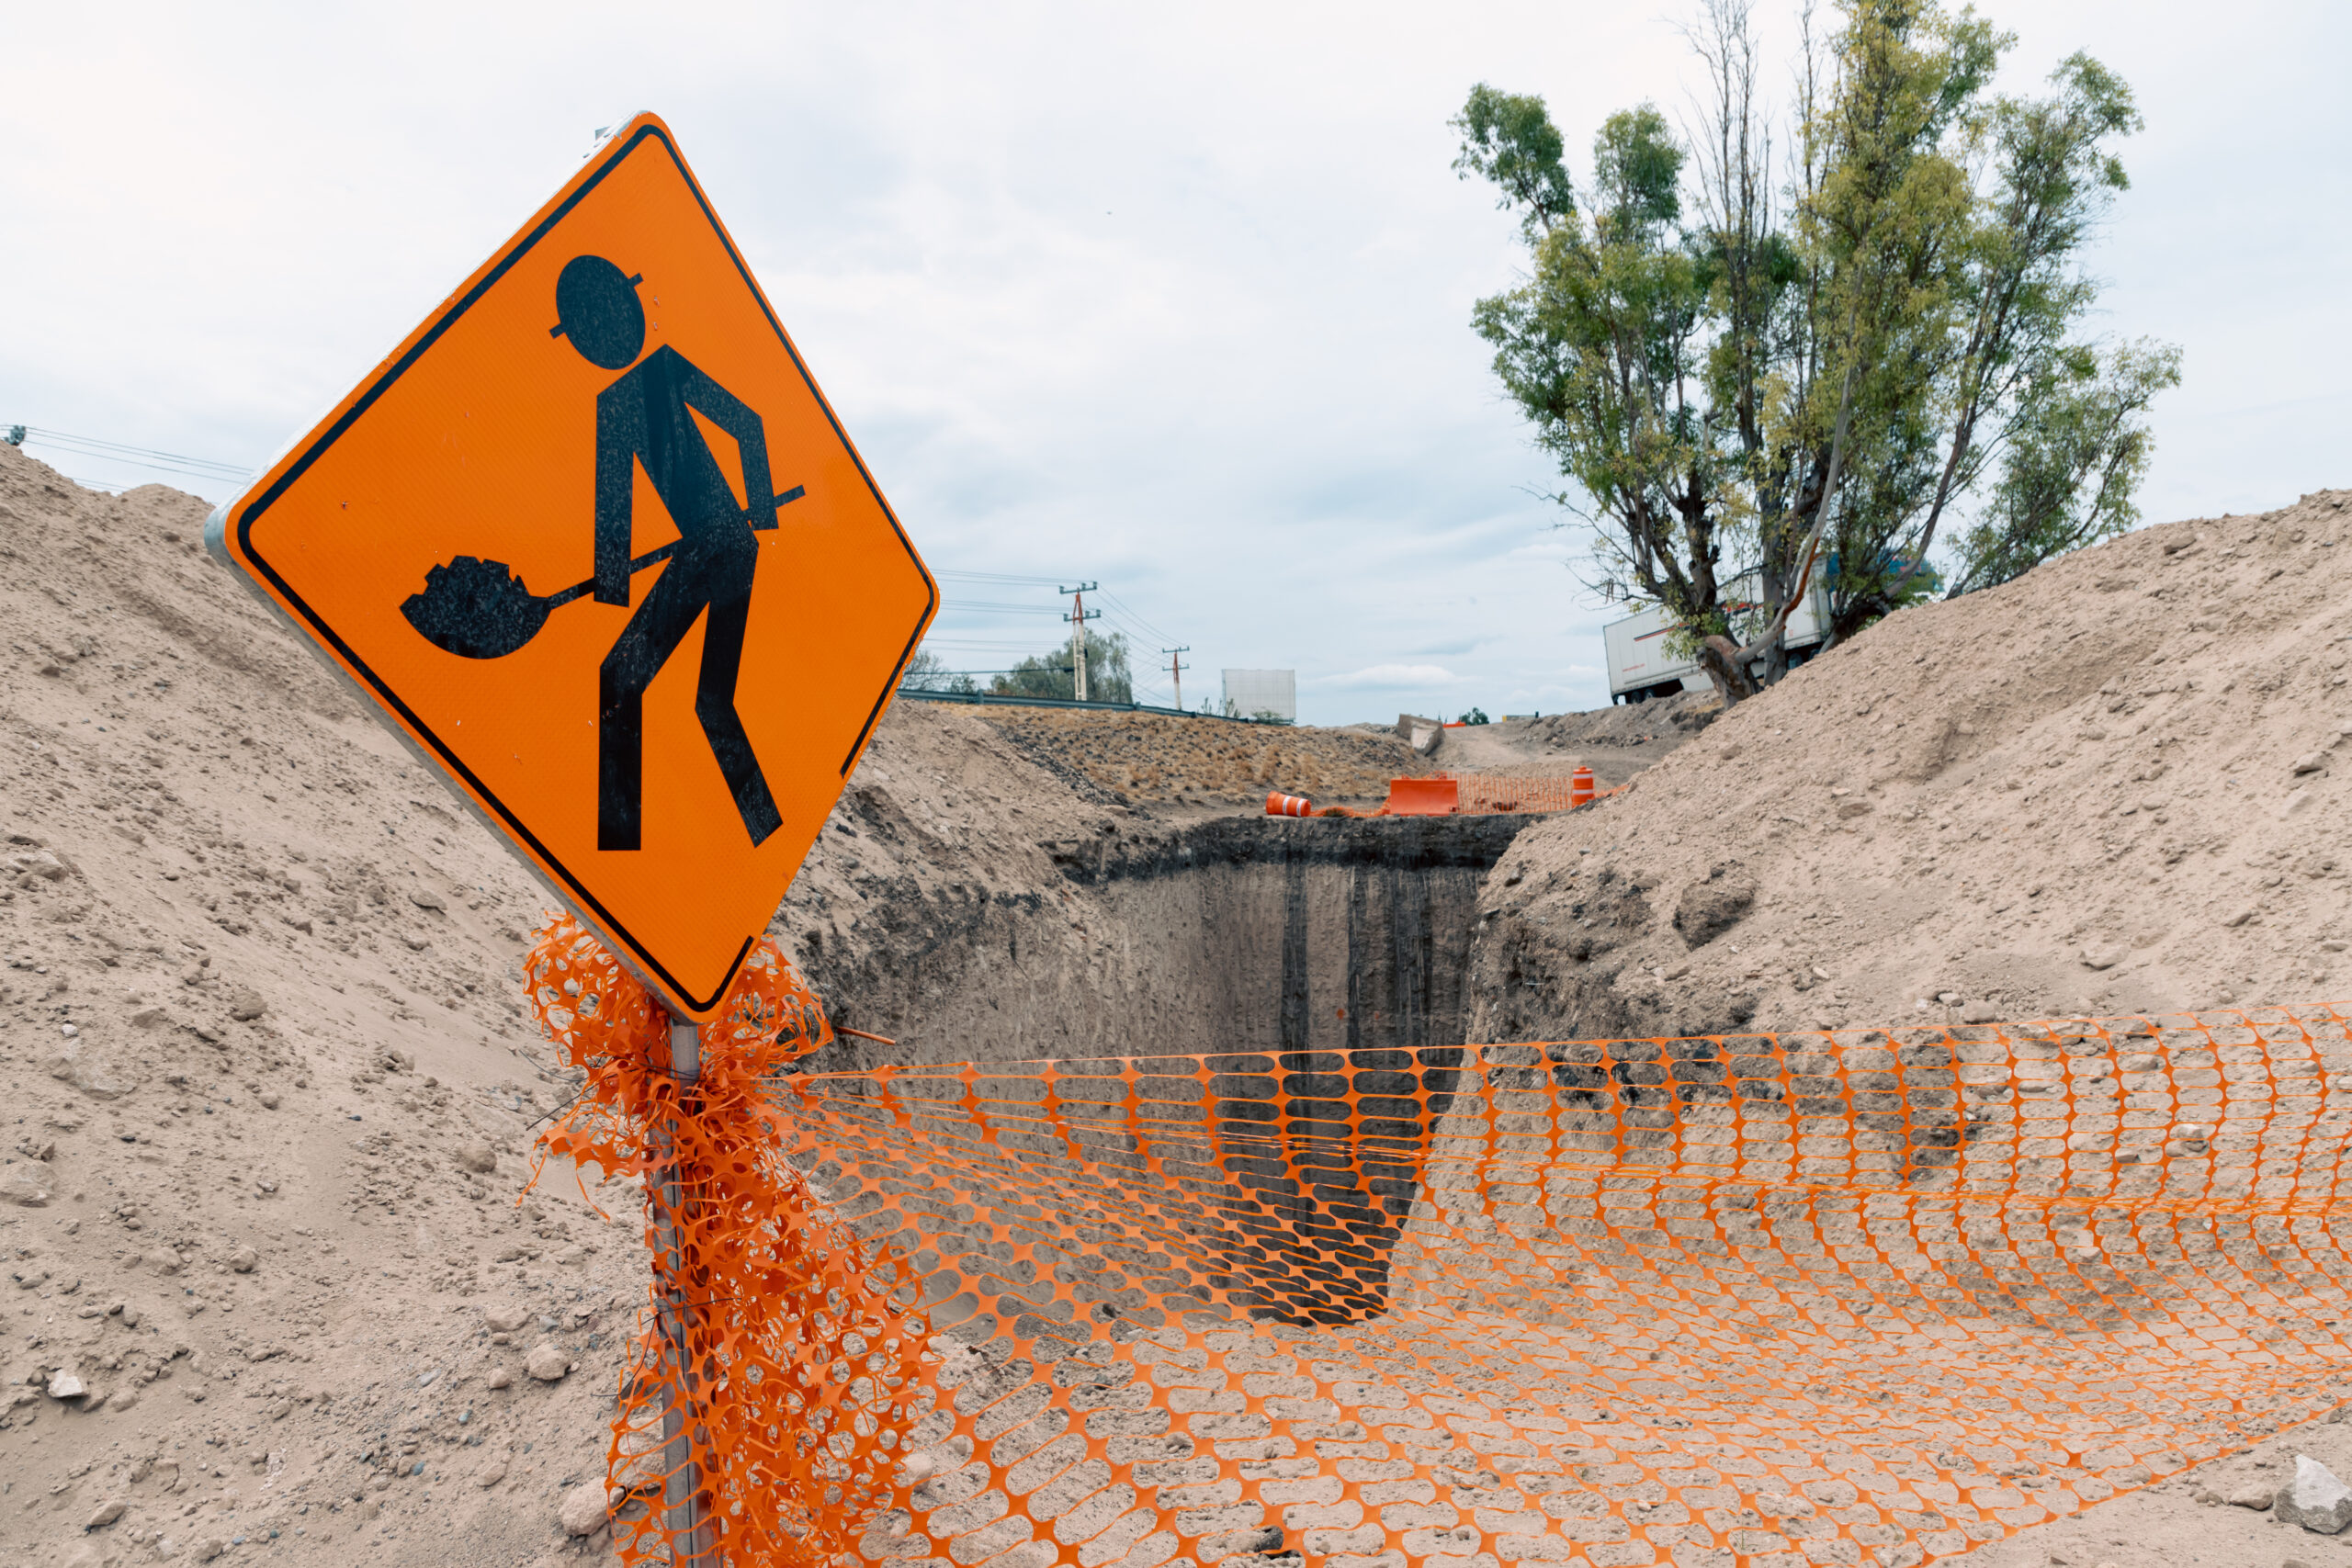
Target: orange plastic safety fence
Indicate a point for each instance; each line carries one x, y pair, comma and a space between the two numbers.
1482, 792
1853, 1297
794, 1359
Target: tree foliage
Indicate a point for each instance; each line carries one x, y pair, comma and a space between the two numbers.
1051, 674
926, 671
1805, 371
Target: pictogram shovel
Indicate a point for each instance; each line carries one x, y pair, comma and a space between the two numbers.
479, 609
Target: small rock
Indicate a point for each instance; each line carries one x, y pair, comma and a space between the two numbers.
269, 1099
585, 1508
149, 1018
70, 1065
426, 898
108, 1511
501, 1378
505, 1318
479, 1158
2250, 1494
2310, 761
492, 1474
247, 1005
64, 1384
546, 1362
2315, 1499
243, 1259
1979, 1012
2106, 957
1710, 907
23, 1185
1950, 999
208, 1549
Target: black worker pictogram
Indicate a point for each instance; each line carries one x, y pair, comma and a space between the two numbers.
480, 610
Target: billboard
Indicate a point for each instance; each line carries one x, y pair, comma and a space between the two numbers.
1262, 694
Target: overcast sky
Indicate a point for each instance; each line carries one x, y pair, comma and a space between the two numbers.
1175, 299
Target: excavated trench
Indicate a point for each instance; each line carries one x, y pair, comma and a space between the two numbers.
1311, 980
1319, 967
1232, 935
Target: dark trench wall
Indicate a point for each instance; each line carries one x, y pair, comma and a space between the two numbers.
1301, 935
1239, 933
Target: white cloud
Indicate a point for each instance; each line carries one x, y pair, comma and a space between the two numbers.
1097, 294
1389, 677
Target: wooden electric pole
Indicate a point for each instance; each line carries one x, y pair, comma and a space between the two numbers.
1078, 619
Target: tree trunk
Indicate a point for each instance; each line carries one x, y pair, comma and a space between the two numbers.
1720, 658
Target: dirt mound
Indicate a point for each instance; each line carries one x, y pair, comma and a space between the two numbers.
1145, 757
272, 1093
1628, 724
2110, 787
275, 1090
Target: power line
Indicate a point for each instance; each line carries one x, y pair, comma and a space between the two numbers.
995, 577
1120, 605
996, 607
119, 452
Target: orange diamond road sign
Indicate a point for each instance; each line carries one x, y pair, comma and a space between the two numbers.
595, 544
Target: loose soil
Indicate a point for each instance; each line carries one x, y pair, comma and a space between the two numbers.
1131, 758
288, 964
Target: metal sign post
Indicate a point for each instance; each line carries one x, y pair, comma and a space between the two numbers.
682, 1501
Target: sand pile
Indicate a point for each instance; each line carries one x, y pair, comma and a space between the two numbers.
273, 1092
270, 1097
1668, 720
2112, 785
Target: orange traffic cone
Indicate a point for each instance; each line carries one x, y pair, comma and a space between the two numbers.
1279, 804
1581, 789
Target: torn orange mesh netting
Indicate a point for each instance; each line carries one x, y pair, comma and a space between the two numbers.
1871, 1297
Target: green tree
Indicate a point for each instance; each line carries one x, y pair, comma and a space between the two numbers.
926, 671
1051, 674
1814, 392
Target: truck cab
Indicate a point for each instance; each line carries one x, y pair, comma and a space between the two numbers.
1641, 668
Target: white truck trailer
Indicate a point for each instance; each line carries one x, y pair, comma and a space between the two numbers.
1640, 667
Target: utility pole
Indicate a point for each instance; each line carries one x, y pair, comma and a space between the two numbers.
1176, 672
1078, 619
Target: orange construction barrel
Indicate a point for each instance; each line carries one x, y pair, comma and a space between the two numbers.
1581, 789
1279, 804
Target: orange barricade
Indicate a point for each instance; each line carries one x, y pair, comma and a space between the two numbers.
1870, 1296
1496, 793
1440, 796
1279, 804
